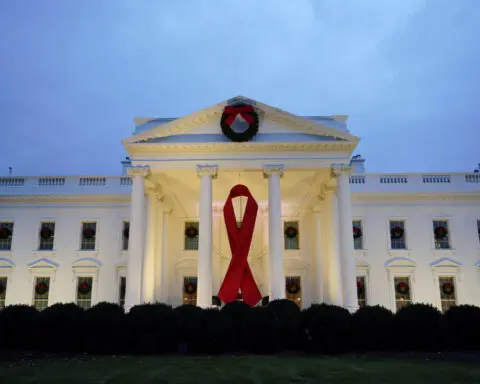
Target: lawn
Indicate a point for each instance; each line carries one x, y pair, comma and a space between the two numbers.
249, 369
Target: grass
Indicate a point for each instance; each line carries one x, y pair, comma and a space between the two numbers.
231, 370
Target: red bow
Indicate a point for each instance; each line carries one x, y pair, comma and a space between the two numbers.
242, 110
239, 275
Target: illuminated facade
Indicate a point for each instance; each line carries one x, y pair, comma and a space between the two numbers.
325, 231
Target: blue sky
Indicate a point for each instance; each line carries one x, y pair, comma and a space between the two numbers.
73, 74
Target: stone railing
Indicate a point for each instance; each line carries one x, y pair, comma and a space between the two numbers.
453, 182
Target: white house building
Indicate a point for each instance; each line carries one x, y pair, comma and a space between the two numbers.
322, 229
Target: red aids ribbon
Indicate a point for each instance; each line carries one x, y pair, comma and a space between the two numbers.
242, 110
239, 275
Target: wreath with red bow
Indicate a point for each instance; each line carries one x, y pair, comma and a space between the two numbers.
357, 232
88, 233
5, 233
191, 232
448, 288
190, 288
291, 232
396, 232
440, 232
46, 233
360, 288
84, 288
248, 114
293, 288
402, 288
41, 288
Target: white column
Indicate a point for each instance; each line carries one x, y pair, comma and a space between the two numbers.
350, 300
163, 234
205, 273
318, 255
133, 293
148, 272
335, 291
275, 232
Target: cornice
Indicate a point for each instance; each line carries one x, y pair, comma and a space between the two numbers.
394, 197
125, 198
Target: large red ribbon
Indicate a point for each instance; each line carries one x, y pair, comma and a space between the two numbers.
239, 275
242, 110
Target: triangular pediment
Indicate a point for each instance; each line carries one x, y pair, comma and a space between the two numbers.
445, 262
42, 264
275, 126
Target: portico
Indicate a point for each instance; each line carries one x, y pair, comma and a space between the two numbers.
182, 172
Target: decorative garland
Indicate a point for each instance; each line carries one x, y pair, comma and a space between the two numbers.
403, 288
88, 233
448, 288
84, 288
41, 288
396, 232
357, 232
5, 233
360, 288
126, 232
440, 232
190, 288
293, 288
46, 233
291, 232
191, 232
228, 117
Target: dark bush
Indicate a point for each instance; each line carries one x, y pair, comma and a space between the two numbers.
240, 315
152, 328
324, 329
263, 331
372, 328
189, 319
62, 326
216, 334
19, 328
418, 328
462, 327
287, 315
105, 327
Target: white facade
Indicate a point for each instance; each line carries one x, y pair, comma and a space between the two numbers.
299, 170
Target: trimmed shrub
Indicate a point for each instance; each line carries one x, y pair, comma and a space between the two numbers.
152, 328
20, 328
372, 328
216, 335
263, 331
240, 315
104, 324
462, 326
189, 319
60, 322
324, 328
417, 328
287, 315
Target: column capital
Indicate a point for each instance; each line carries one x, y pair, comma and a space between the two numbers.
207, 170
138, 170
338, 169
272, 169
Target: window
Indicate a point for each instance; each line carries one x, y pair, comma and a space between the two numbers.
121, 291
441, 234
190, 290
361, 291
290, 235
191, 235
402, 292
84, 292
357, 234
125, 235
6, 233
89, 231
478, 229
447, 293
3, 291
46, 235
293, 289
397, 235
41, 292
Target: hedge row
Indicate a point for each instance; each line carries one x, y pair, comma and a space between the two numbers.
280, 326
